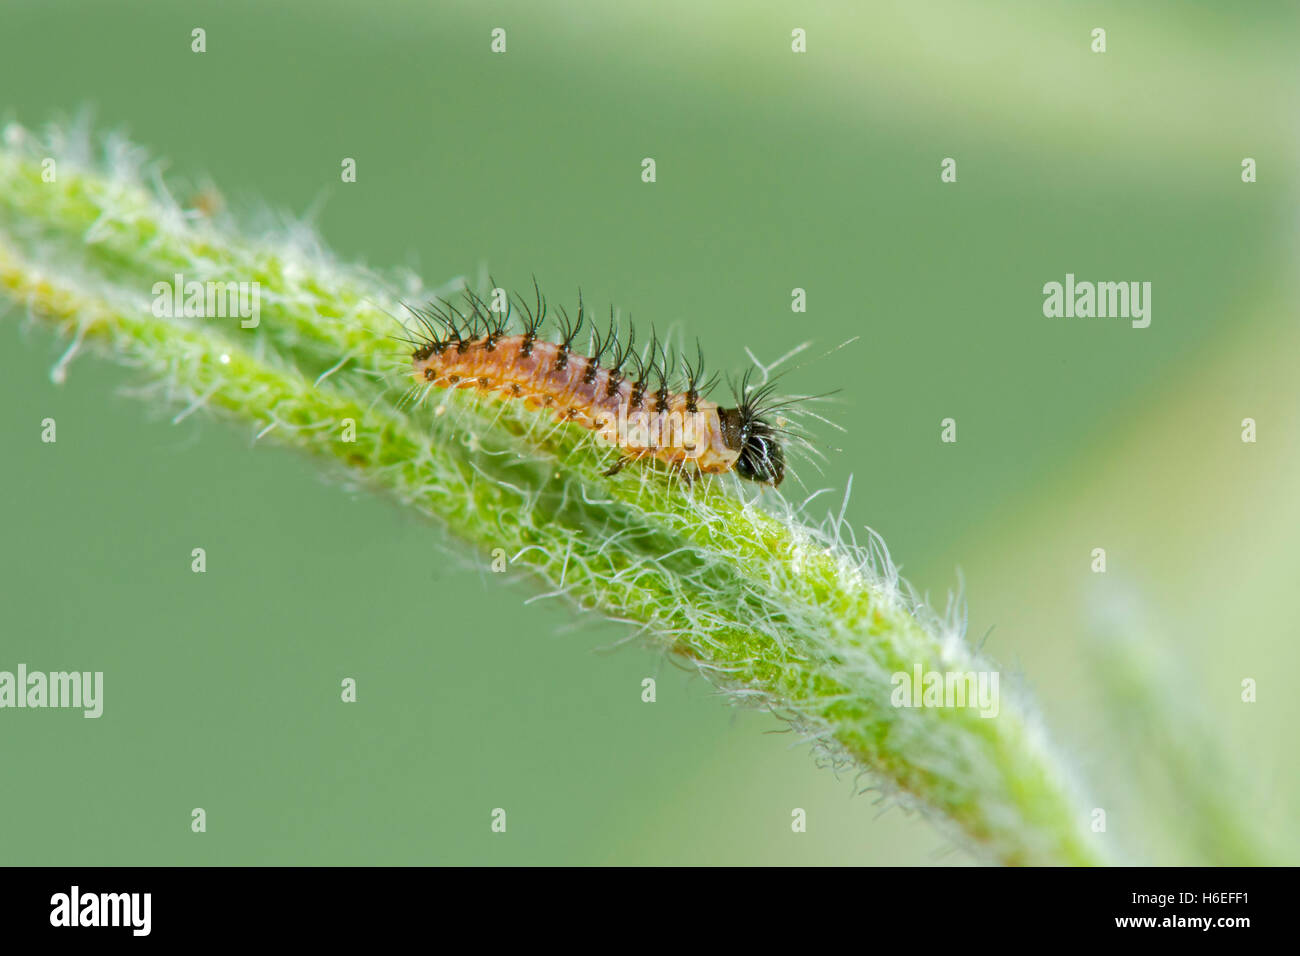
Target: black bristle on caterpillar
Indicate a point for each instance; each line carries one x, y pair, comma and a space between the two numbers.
697, 385
622, 353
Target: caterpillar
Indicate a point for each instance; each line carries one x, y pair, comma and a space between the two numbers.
628, 400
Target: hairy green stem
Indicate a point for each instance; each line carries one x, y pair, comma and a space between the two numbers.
779, 611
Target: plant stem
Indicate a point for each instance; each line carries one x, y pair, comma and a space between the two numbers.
780, 612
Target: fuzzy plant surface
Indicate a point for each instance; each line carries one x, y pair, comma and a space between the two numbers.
780, 610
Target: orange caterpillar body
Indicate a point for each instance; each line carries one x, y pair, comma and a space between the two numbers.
638, 413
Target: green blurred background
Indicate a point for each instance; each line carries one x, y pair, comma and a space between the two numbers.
775, 170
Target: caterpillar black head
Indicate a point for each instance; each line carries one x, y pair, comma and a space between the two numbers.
746, 429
